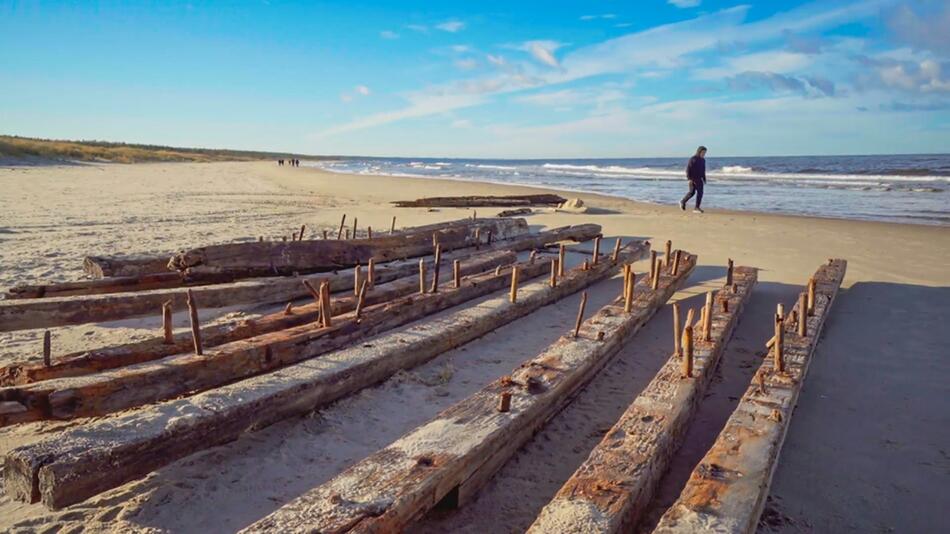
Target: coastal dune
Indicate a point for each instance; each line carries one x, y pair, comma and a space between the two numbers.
866, 450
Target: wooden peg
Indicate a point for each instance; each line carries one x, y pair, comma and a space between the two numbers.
666, 255
553, 280
560, 261
478, 238
690, 316
324, 234
371, 273
326, 307
346, 233
735, 288
707, 317
688, 351
532, 256
195, 326
392, 227
802, 315
303, 227
811, 296
293, 236
652, 265
167, 323
628, 294
342, 223
586, 265
354, 227
580, 315
48, 349
360, 299
260, 239
616, 253
474, 214
513, 296
422, 276
289, 308
780, 311
595, 256
457, 273
497, 270
655, 282
626, 280
677, 335
729, 272
779, 346
284, 238
676, 263
357, 277
504, 401
436, 269
724, 302
489, 237
369, 232
313, 291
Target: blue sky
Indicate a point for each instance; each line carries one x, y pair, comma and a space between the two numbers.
484, 79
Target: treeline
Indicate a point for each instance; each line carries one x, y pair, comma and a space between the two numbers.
27, 148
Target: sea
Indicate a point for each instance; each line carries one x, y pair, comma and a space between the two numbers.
903, 188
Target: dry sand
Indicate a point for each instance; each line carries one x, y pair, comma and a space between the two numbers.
869, 445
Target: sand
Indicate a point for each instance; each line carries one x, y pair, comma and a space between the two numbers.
868, 448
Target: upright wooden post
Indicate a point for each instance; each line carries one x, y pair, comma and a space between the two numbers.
48, 348
811, 296
560, 260
324, 234
489, 237
779, 343
371, 273
354, 226
457, 273
293, 236
342, 222
357, 277
802, 315
422, 276
392, 227
303, 227
369, 232
595, 256
616, 254
580, 315
652, 265
195, 326
504, 401
666, 255
474, 214
289, 308
478, 238
677, 346
167, 322
707, 318
360, 299
676, 263
346, 233
655, 282
553, 280
729, 273
513, 296
688, 351
326, 308
435, 271
628, 294
626, 280
532, 256
690, 317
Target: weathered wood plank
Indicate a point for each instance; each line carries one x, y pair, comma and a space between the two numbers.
86, 362
59, 311
268, 258
79, 462
460, 449
612, 488
106, 266
133, 385
727, 490
482, 201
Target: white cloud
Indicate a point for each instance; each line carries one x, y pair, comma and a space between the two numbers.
543, 51
606, 16
362, 89
420, 106
778, 61
461, 123
421, 28
684, 3
451, 26
466, 64
496, 60
461, 48
388, 34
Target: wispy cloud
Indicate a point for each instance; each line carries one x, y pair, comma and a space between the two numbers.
420, 28
542, 51
451, 26
684, 3
358, 91
605, 16
388, 34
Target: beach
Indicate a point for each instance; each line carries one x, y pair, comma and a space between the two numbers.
867, 449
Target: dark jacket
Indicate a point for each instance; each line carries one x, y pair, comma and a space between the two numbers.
696, 170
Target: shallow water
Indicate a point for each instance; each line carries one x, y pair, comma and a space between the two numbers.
907, 188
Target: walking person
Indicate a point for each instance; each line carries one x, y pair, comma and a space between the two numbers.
696, 175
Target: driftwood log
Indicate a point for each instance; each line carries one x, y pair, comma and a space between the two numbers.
449, 458
289, 257
91, 361
85, 460
610, 491
202, 275
515, 212
59, 311
481, 201
726, 492
133, 385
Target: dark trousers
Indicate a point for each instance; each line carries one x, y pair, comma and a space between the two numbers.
695, 188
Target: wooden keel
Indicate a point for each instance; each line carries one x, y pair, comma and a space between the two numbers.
727, 490
482, 201
85, 460
458, 451
611, 489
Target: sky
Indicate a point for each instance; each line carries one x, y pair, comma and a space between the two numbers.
485, 79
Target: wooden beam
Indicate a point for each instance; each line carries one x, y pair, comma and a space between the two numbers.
91, 361
460, 449
79, 462
482, 201
727, 490
108, 266
59, 311
614, 486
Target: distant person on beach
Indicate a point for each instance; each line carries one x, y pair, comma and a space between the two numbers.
696, 175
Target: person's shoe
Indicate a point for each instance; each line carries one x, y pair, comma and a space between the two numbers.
682, 205
697, 210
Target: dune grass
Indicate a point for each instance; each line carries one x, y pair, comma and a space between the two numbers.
26, 149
